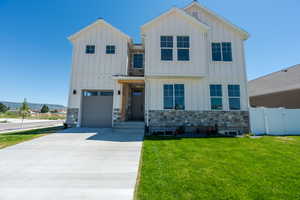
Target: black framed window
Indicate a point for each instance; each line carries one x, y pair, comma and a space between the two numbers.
174, 96
138, 60
166, 45
90, 49
183, 48
234, 95
221, 51
110, 49
216, 98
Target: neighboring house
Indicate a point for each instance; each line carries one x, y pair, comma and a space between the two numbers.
278, 89
188, 71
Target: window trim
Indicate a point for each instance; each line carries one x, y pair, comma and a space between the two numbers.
143, 61
184, 48
216, 97
108, 49
87, 47
167, 48
234, 96
221, 50
173, 96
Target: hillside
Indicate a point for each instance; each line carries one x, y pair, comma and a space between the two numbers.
33, 106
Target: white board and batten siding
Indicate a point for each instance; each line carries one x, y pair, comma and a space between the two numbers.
198, 73
174, 25
94, 71
275, 121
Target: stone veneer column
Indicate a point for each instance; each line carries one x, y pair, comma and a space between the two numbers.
117, 115
72, 117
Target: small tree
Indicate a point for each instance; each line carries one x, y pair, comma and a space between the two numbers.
45, 109
24, 111
3, 108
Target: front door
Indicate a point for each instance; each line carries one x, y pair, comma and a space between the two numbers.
137, 104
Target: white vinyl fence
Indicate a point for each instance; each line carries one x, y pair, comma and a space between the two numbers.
275, 121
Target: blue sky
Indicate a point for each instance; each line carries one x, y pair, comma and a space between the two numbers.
35, 56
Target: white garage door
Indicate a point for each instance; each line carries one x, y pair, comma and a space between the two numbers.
97, 109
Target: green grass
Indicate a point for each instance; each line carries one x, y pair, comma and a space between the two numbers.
8, 139
220, 169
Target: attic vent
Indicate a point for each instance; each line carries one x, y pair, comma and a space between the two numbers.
195, 14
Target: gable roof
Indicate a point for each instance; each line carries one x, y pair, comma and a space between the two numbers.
98, 22
244, 33
181, 13
283, 80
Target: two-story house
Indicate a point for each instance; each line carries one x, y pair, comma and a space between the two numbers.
189, 70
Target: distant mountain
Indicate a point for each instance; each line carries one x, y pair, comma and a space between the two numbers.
33, 106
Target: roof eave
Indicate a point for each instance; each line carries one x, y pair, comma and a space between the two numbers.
245, 35
99, 21
174, 9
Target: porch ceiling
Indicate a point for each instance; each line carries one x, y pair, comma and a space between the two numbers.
130, 79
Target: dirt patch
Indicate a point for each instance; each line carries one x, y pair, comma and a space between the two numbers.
285, 139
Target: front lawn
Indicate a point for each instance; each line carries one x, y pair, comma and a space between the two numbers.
220, 168
8, 139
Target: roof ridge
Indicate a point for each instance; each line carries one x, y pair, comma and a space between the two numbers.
264, 76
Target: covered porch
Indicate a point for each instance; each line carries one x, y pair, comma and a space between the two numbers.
129, 100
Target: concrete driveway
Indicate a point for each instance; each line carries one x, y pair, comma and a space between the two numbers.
75, 164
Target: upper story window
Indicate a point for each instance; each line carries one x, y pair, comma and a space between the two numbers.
174, 96
216, 97
90, 49
234, 97
166, 45
183, 48
221, 51
138, 61
110, 49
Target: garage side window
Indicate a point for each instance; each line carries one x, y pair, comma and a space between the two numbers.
97, 93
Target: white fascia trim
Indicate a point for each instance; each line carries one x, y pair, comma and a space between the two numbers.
179, 11
244, 33
98, 22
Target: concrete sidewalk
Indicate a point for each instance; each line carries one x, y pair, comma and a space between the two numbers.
75, 164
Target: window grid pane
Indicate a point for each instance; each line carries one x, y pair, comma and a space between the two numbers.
234, 91
167, 54
216, 104
216, 90
110, 49
226, 50
234, 104
168, 97
138, 61
90, 49
179, 96
183, 42
216, 52
183, 54
166, 41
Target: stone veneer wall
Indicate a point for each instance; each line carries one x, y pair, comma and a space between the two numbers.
117, 115
72, 117
223, 119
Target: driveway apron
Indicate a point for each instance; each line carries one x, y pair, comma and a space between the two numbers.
73, 164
